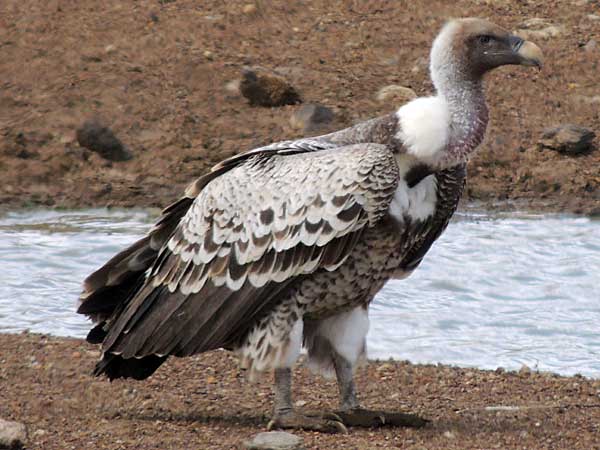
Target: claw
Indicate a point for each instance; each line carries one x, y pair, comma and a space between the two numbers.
318, 422
360, 417
341, 427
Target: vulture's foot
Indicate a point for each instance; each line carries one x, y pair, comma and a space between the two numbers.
359, 417
323, 422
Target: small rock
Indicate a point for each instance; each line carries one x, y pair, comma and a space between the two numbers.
311, 117
263, 88
587, 100
110, 49
100, 139
300, 403
396, 94
593, 17
591, 45
568, 139
249, 8
274, 440
525, 370
208, 54
233, 87
538, 28
12, 434
385, 367
449, 435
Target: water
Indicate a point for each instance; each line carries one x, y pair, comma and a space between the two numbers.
496, 290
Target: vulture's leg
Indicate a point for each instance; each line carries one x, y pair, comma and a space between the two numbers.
353, 415
335, 346
284, 415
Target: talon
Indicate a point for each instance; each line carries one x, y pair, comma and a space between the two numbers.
341, 427
332, 416
382, 419
305, 422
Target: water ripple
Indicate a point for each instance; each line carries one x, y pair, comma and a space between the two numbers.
495, 290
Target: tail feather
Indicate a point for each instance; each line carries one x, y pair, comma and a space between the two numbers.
105, 290
114, 366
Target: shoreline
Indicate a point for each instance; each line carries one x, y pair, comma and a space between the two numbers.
206, 402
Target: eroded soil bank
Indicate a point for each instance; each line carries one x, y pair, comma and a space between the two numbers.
157, 73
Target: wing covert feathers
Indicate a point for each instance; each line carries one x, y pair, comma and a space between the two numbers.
247, 236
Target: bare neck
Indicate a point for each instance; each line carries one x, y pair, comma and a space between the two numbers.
468, 114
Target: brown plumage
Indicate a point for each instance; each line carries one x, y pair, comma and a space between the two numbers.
290, 242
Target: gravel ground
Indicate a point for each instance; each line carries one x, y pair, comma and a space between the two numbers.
205, 402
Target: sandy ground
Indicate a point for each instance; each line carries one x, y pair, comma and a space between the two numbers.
205, 402
156, 71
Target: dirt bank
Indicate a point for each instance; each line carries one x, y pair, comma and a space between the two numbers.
156, 73
205, 402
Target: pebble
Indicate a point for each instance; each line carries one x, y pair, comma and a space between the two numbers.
449, 435
249, 8
12, 434
274, 440
591, 45
396, 94
568, 139
98, 138
311, 117
538, 28
264, 88
233, 87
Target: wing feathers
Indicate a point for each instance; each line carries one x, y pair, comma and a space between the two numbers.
250, 234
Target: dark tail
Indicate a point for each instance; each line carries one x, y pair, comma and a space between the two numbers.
114, 366
108, 288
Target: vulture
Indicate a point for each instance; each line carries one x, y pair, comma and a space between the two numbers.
284, 246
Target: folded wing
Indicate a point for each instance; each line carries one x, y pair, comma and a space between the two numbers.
247, 237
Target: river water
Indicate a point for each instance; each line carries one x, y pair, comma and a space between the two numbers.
497, 290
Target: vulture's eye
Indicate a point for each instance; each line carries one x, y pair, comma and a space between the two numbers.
485, 39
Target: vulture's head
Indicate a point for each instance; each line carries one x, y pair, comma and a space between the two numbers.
468, 48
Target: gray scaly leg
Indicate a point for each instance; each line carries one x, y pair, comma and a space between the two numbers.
284, 415
355, 416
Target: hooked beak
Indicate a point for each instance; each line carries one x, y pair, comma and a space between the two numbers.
527, 52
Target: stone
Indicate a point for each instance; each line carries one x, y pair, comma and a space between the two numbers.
396, 94
587, 99
12, 434
233, 87
538, 28
591, 46
449, 435
98, 138
311, 117
249, 8
264, 88
568, 139
274, 440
